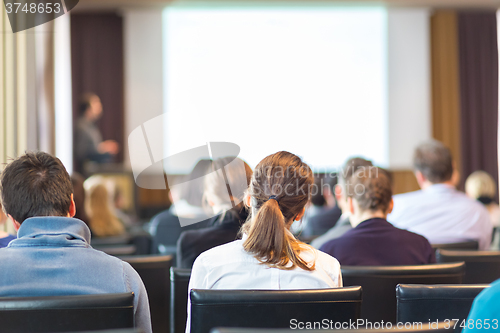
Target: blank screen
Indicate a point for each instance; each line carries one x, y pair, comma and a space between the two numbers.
312, 81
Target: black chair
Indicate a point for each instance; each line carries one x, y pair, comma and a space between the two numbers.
154, 272
271, 308
179, 283
120, 330
422, 303
480, 266
468, 245
423, 328
66, 313
107, 241
117, 250
379, 284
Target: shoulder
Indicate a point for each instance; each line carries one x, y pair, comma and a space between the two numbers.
221, 254
322, 261
194, 236
413, 237
403, 197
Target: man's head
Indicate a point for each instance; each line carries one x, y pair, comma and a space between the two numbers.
90, 106
369, 195
36, 184
350, 167
433, 163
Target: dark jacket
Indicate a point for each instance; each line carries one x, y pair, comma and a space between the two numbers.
376, 242
221, 231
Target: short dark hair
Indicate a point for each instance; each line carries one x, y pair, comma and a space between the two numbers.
371, 189
35, 184
433, 159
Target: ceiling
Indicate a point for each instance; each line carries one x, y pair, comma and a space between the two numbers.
106, 5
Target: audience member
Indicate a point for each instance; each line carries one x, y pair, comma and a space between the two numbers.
343, 225
79, 196
484, 315
373, 241
438, 211
481, 186
165, 227
102, 219
322, 212
5, 237
89, 146
52, 255
268, 256
224, 227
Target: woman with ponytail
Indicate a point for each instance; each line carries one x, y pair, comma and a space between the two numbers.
268, 256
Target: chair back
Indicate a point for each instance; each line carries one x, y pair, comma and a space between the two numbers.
117, 250
417, 302
423, 328
271, 308
66, 313
480, 266
468, 245
154, 272
379, 284
179, 283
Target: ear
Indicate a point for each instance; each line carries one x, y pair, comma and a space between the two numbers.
420, 178
455, 177
391, 207
248, 200
16, 224
350, 205
338, 192
72, 207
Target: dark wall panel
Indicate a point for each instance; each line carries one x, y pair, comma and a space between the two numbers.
478, 65
97, 66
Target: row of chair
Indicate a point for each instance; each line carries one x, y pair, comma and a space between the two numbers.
377, 282
273, 308
419, 306
381, 300
422, 305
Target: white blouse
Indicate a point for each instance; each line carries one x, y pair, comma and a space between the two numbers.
229, 266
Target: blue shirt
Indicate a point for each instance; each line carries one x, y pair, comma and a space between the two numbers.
485, 312
376, 242
442, 214
52, 256
6, 240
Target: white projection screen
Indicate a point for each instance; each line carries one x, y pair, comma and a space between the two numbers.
312, 81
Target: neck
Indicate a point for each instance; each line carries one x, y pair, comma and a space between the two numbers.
356, 219
425, 184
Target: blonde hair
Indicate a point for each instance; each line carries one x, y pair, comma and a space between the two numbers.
102, 220
284, 177
480, 184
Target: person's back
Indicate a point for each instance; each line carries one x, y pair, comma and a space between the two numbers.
229, 209
343, 224
443, 215
52, 255
374, 241
229, 266
439, 212
222, 229
268, 256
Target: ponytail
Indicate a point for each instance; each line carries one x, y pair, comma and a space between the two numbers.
269, 241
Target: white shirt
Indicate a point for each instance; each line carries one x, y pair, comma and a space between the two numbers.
229, 266
442, 215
